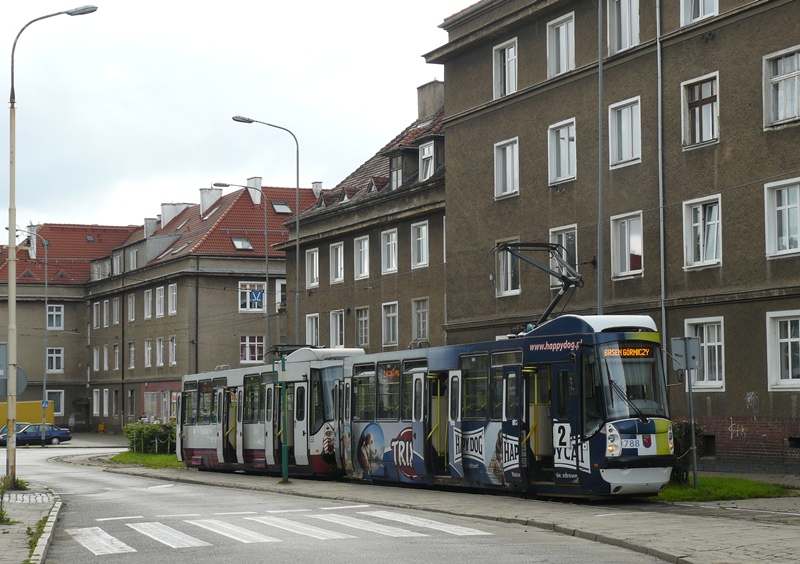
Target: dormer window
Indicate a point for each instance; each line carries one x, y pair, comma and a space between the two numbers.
281, 207
425, 161
395, 172
209, 214
242, 243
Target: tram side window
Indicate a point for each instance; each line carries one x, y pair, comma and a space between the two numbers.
592, 398
190, 403
388, 390
563, 395
454, 396
269, 402
300, 406
252, 398
511, 397
364, 393
217, 383
496, 393
475, 371
317, 409
418, 400
206, 402
411, 367
347, 402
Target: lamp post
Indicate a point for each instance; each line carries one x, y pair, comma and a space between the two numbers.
266, 260
11, 444
45, 244
242, 119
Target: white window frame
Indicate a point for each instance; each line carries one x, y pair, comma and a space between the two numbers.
420, 314
337, 328
312, 268
561, 236
172, 299
106, 313
705, 130
711, 331
336, 259
133, 257
705, 9
160, 351
105, 358
776, 350
172, 353
699, 233
55, 360
620, 271
251, 349
131, 307
96, 315
115, 311
508, 274
115, 352
312, 329
561, 45
504, 58
147, 307
362, 326
251, 297
782, 218
396, 172
562, 151
105, 402
131, 355
781, 91
361, 258
419, 244
96, 359
427, 161
623, 25
389, 324
148, 353
160, 301
56, 397
625, 133
506, 168
389, 251
55, 317
280, 290
96, 402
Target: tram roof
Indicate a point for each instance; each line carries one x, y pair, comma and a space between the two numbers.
308, 354
596, 324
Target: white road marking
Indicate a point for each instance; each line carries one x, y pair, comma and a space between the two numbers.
236, 513
232, 531
368, 526
161, 486
300, 528
425, 523
97, 541
175, 515
120, 518
167, 535
288, 511
344, 507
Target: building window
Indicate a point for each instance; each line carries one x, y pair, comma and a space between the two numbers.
337, 262
148, 353
105, 357
390, 324
710, 332
159, 352
337, 328
96, 315
507, 274
396, 172
781, 201
419, 244
562, 151
131, 307
115, 404
242, 244
623, 25
783, 350
280, 294
115, 311
561, 45
55, 360
361, 258
702, 232
131, 355
96, 403
251, 296
312, 268
173, 351
96, 359
694, 10
389, 251
701, 111
419, 309
116, 357
625, 136
362, 326
782, 87
160, 301
116, 267
55, 317
312, 329
567, 240
506, 168
131, 402
105, 402
251, 348
148, 304
172, 299
626, 245
56, 397
426, 161
106, 313
505, 68
133, 259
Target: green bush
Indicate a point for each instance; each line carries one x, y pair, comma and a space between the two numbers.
682, 434
152, 438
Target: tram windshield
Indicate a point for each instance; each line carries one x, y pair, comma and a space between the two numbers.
632, 380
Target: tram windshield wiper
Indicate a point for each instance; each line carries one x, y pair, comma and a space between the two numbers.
621, 393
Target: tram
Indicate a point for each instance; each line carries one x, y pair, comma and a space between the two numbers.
575, 407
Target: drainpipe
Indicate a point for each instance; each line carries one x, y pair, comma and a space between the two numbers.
600, 169
661, 225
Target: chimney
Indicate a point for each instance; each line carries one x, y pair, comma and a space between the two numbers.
150, 226
254, 189
170, 212
317, 188
430, 99
207, 198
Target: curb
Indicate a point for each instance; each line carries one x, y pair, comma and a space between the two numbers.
42, 546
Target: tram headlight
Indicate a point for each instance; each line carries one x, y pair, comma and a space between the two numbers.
613, 441
671, 440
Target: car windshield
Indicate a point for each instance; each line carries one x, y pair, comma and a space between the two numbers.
633, 382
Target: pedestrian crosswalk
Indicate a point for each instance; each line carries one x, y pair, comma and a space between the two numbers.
184, 533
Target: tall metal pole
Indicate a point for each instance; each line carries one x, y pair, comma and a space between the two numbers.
11, 443
600, 164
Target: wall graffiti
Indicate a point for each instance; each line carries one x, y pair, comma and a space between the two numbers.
751, 403
736, 429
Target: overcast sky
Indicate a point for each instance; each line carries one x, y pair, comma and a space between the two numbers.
130, 106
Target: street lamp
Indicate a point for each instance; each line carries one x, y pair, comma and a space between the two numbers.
11, 443
266, 259
242, 119
45, 244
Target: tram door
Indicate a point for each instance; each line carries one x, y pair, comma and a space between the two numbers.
221, 413
454, 424
238, 432
436, 424
569, 457
539, 444
344, 440
179, 429
268, 390
508, 444
301, 423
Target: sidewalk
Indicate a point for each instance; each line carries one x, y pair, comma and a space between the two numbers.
729, 532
